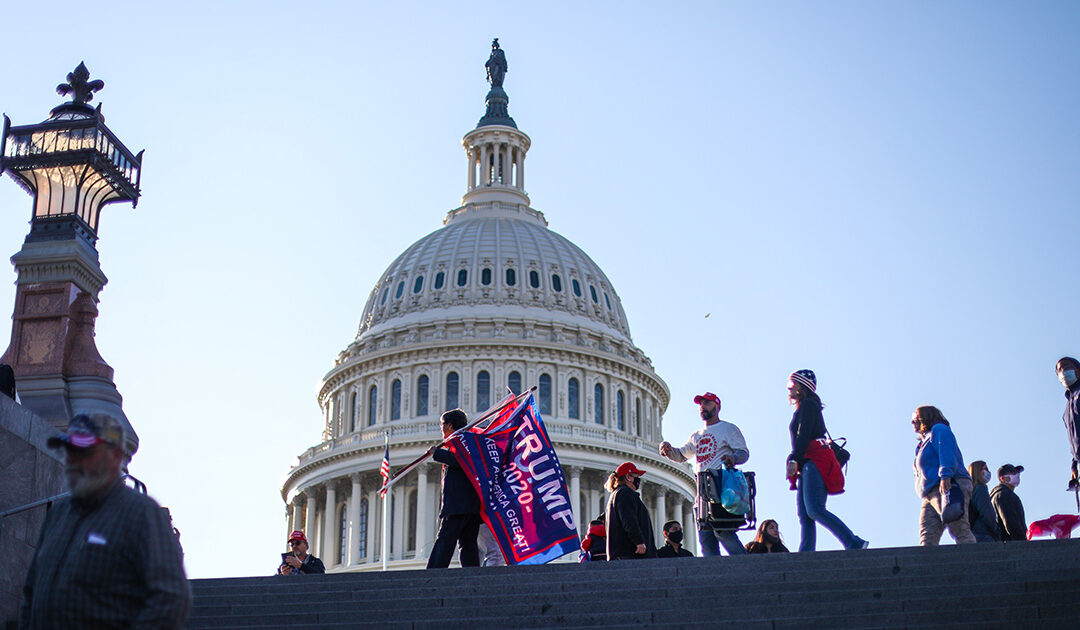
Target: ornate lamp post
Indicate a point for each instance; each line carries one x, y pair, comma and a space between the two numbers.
72, 165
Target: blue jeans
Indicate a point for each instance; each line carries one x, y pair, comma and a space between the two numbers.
711, 541
810, 498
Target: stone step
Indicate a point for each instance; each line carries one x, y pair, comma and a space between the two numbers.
1016, 585
853, 588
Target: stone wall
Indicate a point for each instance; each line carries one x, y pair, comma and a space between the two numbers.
30, 471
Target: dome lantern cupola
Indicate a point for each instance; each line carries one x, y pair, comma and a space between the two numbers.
496, 148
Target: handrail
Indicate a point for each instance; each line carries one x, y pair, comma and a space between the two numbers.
30, 506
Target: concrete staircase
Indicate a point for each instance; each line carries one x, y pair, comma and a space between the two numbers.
999, 585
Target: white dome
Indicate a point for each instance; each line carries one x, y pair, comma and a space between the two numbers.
494, 255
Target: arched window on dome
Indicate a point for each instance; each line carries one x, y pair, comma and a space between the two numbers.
545, 394
620, 409
462, 277
637, 416
576, 286
373, 398
572, 387
419, 284
514, 382
511, 277
483, 390
452, 387
598, 403
592, 291
352, 412
556, 283
534, 279
440, 279
485, 276
361, 529
343, 533
400, 289
607, 301
385, 294
395, 400
422, 395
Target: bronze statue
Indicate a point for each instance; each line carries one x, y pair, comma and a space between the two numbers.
82, 91
496, 65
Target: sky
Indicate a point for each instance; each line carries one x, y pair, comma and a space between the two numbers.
885, 193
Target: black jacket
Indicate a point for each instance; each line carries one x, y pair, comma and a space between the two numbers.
667, 551
759, 547
1010, 513
1072, 420
458, 493
628, 525
807, 425
981, 514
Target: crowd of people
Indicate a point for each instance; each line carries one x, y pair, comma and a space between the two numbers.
953, 497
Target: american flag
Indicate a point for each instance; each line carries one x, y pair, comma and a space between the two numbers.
384, 471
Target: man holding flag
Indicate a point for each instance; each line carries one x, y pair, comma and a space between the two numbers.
460, 510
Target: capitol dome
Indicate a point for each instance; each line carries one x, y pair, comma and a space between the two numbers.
493, 300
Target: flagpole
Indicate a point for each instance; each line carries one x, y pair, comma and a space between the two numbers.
386, 517
487, 415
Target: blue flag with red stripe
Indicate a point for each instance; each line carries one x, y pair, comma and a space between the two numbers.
521, 485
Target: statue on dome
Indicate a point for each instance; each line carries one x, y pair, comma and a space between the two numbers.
496, 65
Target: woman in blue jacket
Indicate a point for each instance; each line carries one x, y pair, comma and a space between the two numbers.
939, 467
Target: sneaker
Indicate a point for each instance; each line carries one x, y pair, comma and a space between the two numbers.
864, 544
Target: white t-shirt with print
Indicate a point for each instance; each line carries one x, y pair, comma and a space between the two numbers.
706, 447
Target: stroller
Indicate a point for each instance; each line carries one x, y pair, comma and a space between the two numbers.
710, 486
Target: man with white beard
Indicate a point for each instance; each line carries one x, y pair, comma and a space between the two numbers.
107, 556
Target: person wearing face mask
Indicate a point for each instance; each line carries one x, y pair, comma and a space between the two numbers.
629, 528
767, 539
939, 472
673, 548
1068, 371
1009, 508
714, 446
982, 517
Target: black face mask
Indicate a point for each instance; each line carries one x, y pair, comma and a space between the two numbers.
675, 537
769, 538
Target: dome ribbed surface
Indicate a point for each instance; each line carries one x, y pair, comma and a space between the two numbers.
545, 268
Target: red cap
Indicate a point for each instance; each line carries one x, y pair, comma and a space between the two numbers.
627, 469
297, 535
707, 396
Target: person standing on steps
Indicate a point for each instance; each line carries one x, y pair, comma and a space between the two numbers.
983, 518
629, 528
716, 445
1009, 507
812, 467
939, 471
673, 539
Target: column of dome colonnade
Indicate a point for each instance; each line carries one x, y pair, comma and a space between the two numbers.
496, 159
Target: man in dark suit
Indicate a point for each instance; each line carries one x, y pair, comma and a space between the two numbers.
460, 511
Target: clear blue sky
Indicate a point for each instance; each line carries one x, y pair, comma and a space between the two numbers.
885, 193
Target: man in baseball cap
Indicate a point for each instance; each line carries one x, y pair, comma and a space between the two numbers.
298, 561
1007, 504
67, 585
716, 445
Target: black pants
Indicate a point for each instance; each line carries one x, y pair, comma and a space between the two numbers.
456, 530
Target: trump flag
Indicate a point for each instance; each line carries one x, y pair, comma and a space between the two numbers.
521, 486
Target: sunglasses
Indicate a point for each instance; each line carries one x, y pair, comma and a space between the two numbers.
294, 543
